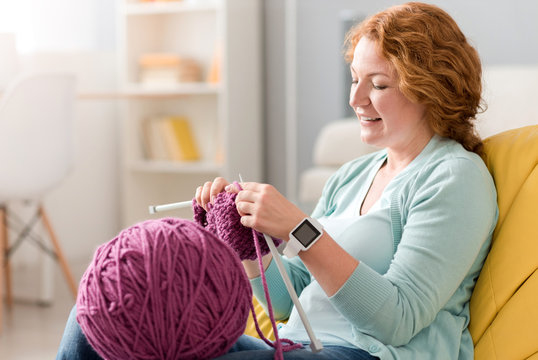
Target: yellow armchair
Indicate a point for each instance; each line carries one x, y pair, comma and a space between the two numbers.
263, 322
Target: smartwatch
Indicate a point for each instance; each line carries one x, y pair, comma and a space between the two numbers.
303, 236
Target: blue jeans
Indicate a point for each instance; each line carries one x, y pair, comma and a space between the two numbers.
74, 346
248, 347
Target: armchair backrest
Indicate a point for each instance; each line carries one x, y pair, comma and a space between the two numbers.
504, 304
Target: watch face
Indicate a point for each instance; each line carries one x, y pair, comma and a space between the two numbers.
306, 233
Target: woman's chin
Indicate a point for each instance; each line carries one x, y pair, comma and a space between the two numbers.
371, 139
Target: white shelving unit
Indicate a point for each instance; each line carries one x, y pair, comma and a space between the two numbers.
225, 117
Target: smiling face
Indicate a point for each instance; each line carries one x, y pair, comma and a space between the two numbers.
388, 119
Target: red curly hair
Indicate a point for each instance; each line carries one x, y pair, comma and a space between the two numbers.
436, 65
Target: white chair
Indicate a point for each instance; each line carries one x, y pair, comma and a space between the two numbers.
36, 153
9, 59
337, 143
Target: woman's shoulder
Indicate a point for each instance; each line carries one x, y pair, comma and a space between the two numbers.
448, 162
450, 157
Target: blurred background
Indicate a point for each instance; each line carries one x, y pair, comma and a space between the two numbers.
255, 80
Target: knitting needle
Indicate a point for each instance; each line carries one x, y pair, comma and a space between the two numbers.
315, 344
173, 206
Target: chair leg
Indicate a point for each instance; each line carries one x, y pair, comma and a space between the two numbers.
3, 240
61, 259
6, 262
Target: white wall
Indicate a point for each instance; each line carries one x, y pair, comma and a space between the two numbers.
60, 25
510, 97
274, 94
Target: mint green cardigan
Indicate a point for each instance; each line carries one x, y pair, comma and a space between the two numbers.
442, 212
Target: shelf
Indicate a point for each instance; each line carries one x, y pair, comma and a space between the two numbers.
169, 7
200, 30
143, 90
175, 167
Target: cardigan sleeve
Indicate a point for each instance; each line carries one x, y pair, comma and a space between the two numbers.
450, 213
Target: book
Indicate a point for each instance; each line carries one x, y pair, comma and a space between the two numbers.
160, 1
159, 68
213, 75
182, 141
169, 138
154, 147
167, 68
164, 76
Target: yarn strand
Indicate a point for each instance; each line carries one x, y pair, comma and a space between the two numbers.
278, 347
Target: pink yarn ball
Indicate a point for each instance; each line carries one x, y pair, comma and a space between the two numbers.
163, 289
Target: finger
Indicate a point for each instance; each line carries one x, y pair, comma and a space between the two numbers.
261, 190
206, 190
198, 195
247, 221
217, 187
245, 208
246, 195
252, 221
250, 186
233, 188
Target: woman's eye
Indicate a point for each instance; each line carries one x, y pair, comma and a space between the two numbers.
379, 87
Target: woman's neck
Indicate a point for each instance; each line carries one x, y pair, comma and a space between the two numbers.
398, 159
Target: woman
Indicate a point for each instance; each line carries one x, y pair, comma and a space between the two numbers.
406, 229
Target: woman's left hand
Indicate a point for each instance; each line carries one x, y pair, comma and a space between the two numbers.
266, 210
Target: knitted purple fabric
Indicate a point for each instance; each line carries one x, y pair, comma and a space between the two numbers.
164, 289
223, 220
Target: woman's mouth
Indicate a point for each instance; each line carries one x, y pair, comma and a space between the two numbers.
363, 118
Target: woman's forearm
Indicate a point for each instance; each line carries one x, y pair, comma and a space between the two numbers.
252, 267
329, 263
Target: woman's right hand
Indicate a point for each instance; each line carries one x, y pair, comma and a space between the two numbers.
206, 193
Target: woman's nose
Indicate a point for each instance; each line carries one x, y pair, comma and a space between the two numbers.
358, 97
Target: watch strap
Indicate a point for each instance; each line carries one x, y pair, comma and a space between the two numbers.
292, 248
